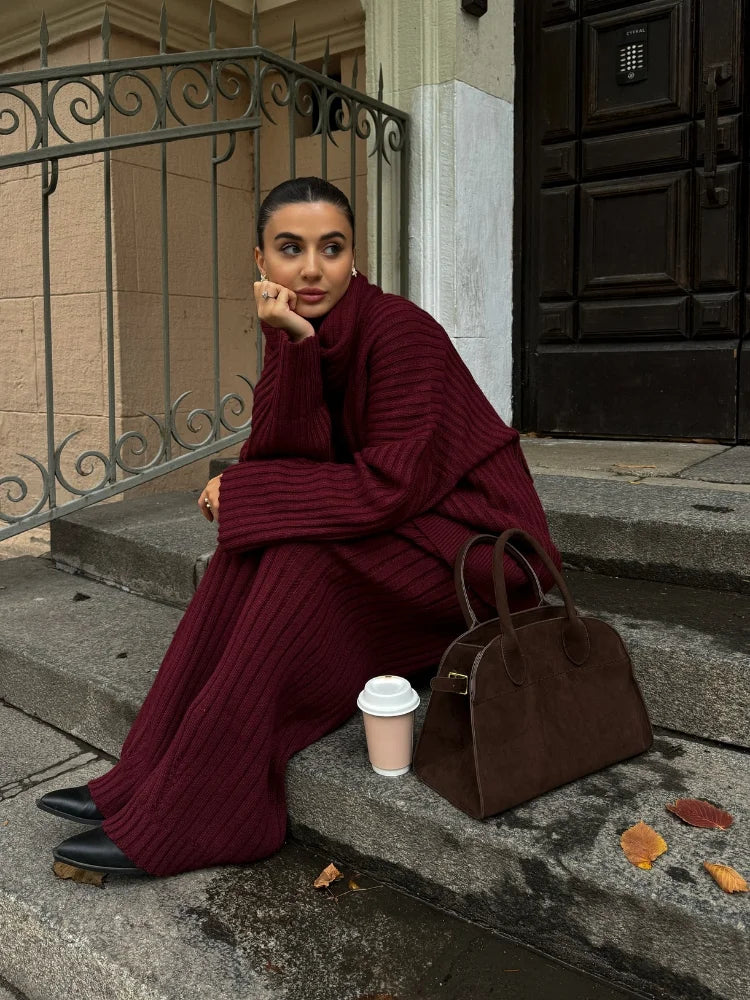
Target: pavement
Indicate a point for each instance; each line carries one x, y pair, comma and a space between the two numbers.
672, 463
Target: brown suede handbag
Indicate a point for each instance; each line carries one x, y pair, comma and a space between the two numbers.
527, 701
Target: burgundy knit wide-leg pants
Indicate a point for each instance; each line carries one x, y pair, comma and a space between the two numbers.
269, 656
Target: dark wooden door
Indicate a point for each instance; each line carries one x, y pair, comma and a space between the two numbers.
636, 278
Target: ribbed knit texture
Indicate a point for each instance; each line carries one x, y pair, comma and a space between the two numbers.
373, 455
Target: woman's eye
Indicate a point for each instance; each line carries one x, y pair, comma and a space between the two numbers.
334, 248
289, 246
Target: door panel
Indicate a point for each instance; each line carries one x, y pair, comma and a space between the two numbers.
634, 235
665, 93
637, 275
638, 151
557, 224
673, 390
559, 47
628, 319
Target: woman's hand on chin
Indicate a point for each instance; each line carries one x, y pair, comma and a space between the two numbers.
278, 310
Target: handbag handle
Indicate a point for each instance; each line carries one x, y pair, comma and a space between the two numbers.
575, 636
458, 576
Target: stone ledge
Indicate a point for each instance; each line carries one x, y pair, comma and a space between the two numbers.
548, 873
683, 534
251, 931
155, 546
551, 871
149, 545
188, 23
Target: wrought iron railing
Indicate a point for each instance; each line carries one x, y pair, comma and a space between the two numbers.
254, 82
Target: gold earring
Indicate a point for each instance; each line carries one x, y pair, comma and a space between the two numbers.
354, 271
262, 275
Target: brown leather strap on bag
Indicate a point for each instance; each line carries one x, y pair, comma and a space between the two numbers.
574, 634
458, 575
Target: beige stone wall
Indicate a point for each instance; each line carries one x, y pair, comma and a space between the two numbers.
78, 309
137, 177
78, 305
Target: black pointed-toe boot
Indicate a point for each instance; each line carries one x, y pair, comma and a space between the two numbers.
72, 803
94, 851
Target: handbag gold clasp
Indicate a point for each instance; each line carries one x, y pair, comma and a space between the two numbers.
463, 677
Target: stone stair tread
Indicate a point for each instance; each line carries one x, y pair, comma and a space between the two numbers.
251, 931
553, 866
647, 502
150, 544
723, 617
681, 534
549, 872
64, 656
61, 649
158, 545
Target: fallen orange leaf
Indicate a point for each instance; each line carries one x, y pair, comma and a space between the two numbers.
329, 874
642, 845
697, 812
78, 874
726, 877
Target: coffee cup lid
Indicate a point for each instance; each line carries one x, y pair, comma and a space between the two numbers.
387, 695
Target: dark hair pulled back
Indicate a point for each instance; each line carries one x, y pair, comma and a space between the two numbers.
302, 189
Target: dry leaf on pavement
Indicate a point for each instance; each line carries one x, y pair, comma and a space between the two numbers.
78, 874
729, 879
697, 812
642, 845
329, 874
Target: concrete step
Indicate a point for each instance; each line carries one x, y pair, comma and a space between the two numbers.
549, 874
647, 527
232, 932
154, 545
690, 647
684, 534
78, 654
698, 537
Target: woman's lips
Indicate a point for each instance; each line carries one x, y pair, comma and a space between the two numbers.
311, 296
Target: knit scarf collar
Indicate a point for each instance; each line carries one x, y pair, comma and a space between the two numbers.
338, 330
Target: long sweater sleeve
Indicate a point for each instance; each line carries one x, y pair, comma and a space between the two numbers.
401, 470
289, 417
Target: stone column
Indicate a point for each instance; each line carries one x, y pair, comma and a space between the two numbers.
454, 74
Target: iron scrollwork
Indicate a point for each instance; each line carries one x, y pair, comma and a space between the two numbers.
156, 99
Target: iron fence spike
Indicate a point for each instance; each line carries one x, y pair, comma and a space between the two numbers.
255, 23
106, 32
43, 39
212, 26
326, 56
355, 71
294, 39
380, 83
163, 27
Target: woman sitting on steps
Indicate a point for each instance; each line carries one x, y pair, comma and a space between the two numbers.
373, 455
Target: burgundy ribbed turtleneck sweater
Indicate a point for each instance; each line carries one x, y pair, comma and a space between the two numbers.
373, 455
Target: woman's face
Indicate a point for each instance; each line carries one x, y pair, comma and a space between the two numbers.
308, 246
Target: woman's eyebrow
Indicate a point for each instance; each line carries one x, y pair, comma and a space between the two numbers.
293, 236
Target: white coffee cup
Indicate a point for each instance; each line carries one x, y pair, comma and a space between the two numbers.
388, 704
